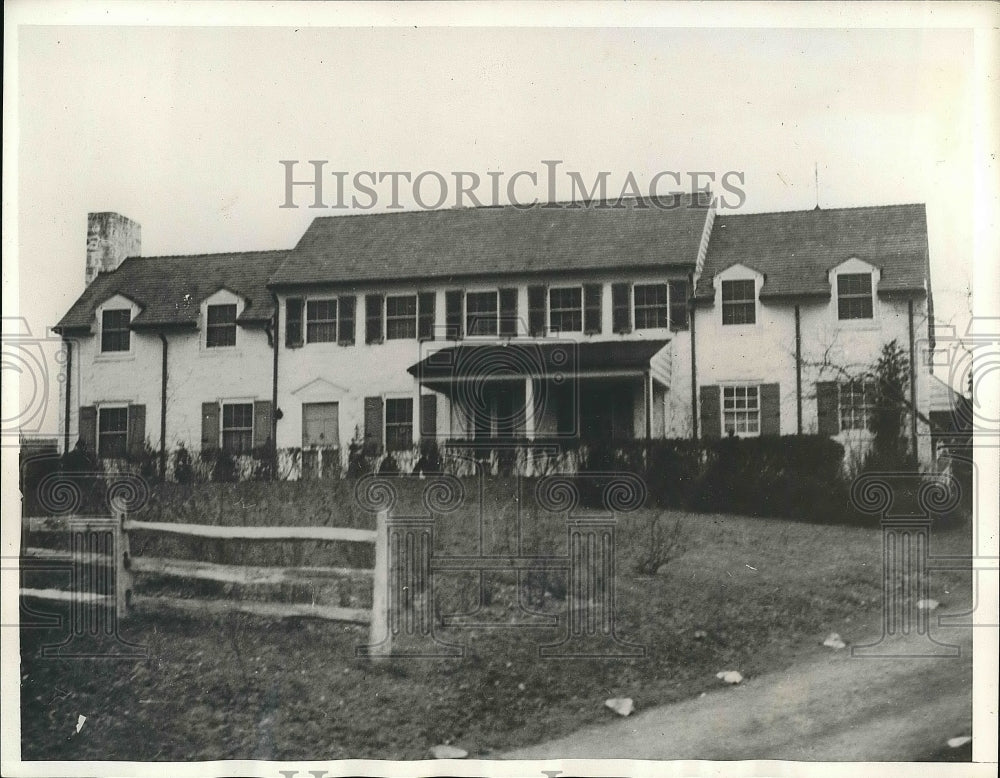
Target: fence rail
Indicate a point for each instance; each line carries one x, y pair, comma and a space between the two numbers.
126, 567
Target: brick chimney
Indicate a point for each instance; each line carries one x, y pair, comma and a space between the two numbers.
111, 238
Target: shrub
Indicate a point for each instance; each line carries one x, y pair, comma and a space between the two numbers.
661, 545
794, 475
183, 467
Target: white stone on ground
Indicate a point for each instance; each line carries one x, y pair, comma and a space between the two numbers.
833, 641
729, 676
620, 705
448, 752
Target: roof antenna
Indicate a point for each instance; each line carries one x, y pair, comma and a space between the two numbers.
816, 179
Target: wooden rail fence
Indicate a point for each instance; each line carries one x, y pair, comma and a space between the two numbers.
114, 555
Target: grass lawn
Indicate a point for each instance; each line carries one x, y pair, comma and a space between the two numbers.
765, 592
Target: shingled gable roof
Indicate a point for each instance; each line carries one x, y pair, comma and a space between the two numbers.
170, 289
795, 250
493, 240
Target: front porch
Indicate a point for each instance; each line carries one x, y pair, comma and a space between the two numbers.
554, 392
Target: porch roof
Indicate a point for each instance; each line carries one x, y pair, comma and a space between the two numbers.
539, 360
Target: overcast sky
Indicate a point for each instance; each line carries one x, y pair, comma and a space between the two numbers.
182, 129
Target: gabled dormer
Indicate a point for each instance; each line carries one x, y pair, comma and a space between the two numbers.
737, 295
217, 319
853, 287
113, 325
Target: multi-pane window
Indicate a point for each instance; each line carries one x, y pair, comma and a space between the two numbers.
854, 296
739, 303
651, 306
741, 410
321, 321
400, 316
221, 328
566, 309
856, 405
481, 314
112, 442
114, 329
237, 428
399, 424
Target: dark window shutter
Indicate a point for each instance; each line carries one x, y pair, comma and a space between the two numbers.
136, 435
293, 322
428, 415
373, 318
508, 313
621, 308
592, 308
453, 313
679, 305
346, 314
711, 413
262, 415
88, 428
770, 409
426, 302
827, 412
373, 425
536, 311
209, 426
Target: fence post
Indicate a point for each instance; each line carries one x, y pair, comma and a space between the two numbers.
123, 576
380, 636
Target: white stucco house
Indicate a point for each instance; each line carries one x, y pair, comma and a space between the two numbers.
497, 325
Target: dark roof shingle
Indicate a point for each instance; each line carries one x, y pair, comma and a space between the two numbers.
170, 289
502, 240
794, 250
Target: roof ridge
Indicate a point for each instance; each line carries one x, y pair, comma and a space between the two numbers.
550, 204
720, 215
204, 255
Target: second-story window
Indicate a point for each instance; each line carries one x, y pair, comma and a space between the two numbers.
566, 309
651, 309
115, 334
481, 313
854, 296
221, 328
400, 316
739, 302
321, 321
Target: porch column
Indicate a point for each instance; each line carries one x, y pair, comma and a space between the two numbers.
647, 391
529, 408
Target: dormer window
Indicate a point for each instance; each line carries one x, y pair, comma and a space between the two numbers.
739, 302
854, 296
115, 333
221, 328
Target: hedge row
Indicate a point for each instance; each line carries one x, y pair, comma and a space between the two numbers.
798, 476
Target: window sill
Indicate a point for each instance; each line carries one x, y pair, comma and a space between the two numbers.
114, 356
860, 325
